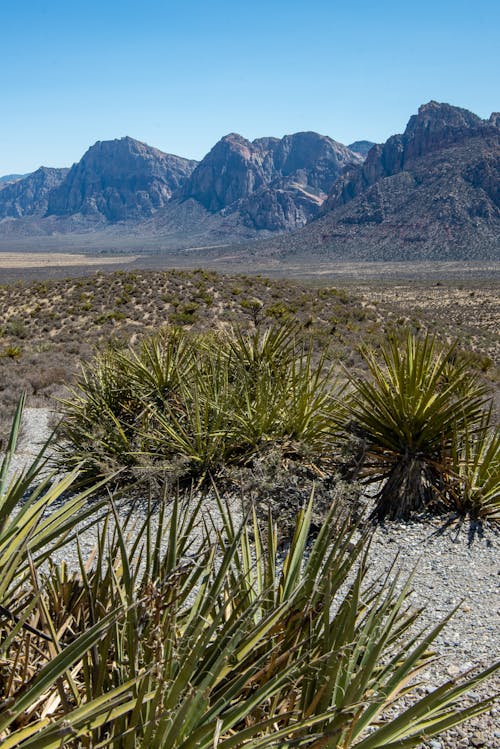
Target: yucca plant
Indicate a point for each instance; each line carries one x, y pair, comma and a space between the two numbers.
474, 473
189, 405
110, 407
415, 399
29, 526
33, 524
203, 635
283, 396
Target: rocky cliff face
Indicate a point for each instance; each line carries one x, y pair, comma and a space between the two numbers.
29, 196
119, 180
239, 189
432, 192
275, 184
232, 170
434, 128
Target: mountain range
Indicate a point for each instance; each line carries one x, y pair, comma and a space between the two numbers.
432, 192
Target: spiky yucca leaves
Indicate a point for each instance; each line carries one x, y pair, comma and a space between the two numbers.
208, 638
193, 404
109, 410
474, 480
283, 396
28, 531
32, 527
408, 411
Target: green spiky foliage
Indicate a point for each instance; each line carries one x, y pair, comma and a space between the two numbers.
474, 481
409, 409
188, 632
29, 525
194, 403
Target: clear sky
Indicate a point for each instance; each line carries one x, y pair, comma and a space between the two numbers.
180, 75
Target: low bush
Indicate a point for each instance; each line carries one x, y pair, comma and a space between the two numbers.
194, 403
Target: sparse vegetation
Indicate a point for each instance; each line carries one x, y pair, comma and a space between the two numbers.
195, 629
63, 322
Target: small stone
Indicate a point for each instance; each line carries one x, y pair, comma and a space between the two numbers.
479, 739
435, 744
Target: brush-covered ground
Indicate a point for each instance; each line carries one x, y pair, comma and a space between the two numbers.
48, 327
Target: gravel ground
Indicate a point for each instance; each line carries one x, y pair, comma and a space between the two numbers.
455, 565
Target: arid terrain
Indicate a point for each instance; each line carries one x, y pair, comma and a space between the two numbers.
49, 325
10, 260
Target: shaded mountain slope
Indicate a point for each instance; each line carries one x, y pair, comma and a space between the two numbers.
29, 196
431, 193
273, 184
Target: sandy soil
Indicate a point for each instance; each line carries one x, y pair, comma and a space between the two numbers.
57, 259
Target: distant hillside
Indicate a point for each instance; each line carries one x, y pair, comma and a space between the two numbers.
361, 147
269, 184
29, 196
119, 180
239, 189
431, 193
9, 178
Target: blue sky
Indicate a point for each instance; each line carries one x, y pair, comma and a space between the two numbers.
181, 75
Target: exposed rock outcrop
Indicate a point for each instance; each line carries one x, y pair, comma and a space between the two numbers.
120, 180
275, 184
432, 192
29, 196
435, 127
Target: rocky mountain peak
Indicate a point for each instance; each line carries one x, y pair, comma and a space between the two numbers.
232, 170
442, 113
437, 125
303, 165
29, 195
120, 179
361, 147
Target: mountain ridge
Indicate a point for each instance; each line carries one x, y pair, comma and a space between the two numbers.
430, 192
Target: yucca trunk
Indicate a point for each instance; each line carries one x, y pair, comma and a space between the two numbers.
410, 489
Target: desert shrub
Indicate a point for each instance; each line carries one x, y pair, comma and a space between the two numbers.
408, 411
185, 314
201, 402
11, 352
17, 328
278, 310
254, 307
